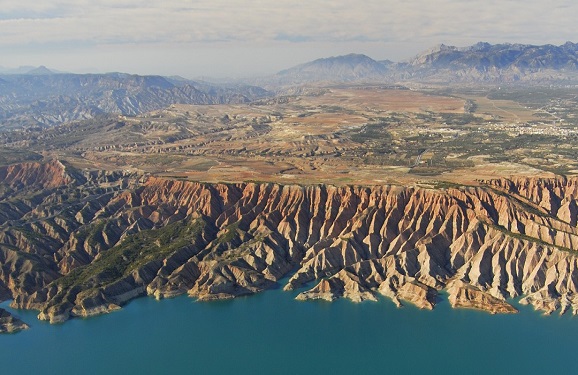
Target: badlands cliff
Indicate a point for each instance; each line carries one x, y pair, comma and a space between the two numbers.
83, 243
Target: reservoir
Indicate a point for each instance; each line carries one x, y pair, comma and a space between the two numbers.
271, 333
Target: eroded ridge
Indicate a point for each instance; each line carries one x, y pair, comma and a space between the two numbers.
95, 240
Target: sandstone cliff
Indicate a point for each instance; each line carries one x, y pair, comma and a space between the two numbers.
96, 241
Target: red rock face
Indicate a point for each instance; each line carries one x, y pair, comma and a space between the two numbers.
42, 175
502, 239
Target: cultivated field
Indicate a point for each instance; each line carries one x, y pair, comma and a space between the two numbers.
338, 135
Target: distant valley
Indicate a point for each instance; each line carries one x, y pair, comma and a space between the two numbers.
32, 97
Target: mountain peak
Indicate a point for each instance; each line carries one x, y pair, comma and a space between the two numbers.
349, 59
480, 46
508, 59
41, 70
344, 68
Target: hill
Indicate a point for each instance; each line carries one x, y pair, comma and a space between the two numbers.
43, 99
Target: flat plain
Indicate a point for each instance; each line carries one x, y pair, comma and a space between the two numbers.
335, 134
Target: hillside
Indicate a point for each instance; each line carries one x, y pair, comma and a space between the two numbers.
86, 243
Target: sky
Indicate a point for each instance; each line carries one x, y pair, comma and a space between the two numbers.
243, 38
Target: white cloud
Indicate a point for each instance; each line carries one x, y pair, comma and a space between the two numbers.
104, 21
416, 23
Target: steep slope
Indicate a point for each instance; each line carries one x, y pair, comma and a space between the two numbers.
113, 239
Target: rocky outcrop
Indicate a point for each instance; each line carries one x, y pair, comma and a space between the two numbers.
344, 284
419, 294
468, 296
10, 324
100, 247
40, 175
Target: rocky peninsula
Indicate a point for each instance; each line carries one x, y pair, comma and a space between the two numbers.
10, 324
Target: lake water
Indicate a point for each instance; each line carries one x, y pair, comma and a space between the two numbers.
271, 333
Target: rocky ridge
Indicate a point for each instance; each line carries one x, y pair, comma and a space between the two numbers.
495, 62
481, 62
97, 240
10, 324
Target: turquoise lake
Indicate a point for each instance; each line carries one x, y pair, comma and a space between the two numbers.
271, 333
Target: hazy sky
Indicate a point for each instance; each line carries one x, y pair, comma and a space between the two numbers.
253, 37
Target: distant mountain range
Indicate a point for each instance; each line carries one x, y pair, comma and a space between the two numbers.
495, 63
482, 62
42, 98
